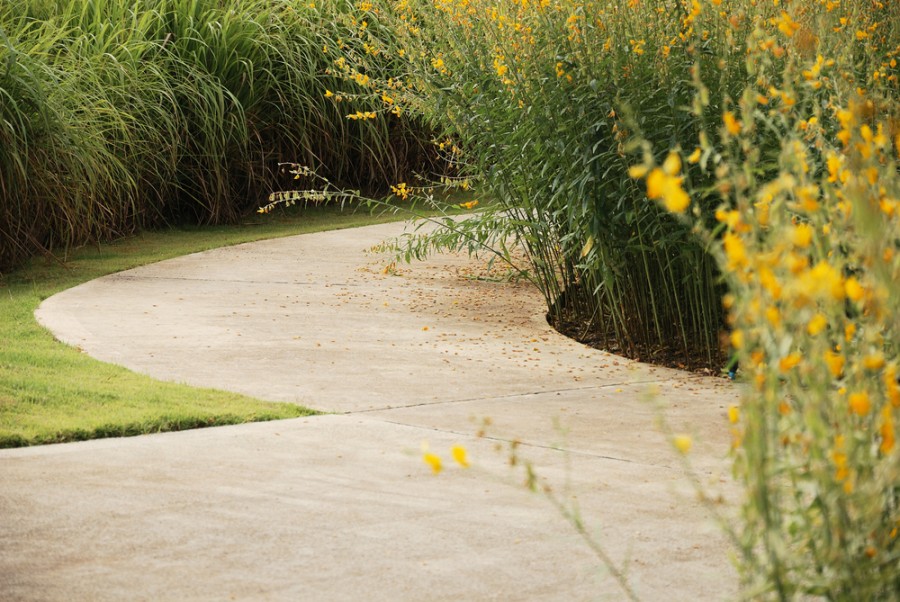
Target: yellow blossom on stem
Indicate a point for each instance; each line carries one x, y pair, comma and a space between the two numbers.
874, 361
860, 404
735, 250
737, 339
401, 190
732, 125
889, 378
694, 157
853, 289
823, 280
886, 430
770, 282
789, 361
666, 187
731, 218
802, 235
817, 324
786, 24
835, 363
637, 171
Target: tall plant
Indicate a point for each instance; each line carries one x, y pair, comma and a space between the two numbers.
544, 98
120, 114
806, 164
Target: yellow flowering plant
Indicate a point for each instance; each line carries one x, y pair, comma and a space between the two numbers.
657, 159
804, 168
537, 95
767, 133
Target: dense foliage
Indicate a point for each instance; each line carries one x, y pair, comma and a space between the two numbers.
648, 156
121, 114
644, 153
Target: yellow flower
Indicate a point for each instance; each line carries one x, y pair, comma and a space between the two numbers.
460, 455
770, 282
860, 403
663, 185
735, 250
734, 414
682, 443
694, 156
789, 361
362, 115
732, 125
438, 64
802, 235
873, 361
836, 172
431, 459
808, 196
434, 461
468, 205
853, 289
887, 430
401, 190
835, 363
822, 280
817, 324
328, 93
731, 218
786, 24
672, 165
637, 171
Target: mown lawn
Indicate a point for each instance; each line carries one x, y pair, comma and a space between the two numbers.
50, 392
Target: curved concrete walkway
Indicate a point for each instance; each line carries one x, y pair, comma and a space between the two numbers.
341, 506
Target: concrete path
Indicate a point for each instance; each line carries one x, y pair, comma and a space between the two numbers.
341, 506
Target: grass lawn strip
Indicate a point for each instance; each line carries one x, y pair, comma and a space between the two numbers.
52, 393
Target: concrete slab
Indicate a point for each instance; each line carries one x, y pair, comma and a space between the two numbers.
307, 319
332, 508
341, 507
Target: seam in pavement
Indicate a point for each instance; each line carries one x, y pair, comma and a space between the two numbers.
527, 444
231, 281
528, 394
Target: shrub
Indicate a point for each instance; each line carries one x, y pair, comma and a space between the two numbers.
805, 165
544, 98
770, 133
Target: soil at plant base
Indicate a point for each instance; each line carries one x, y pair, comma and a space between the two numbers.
585, 330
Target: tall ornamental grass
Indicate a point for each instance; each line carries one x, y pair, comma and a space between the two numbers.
121, 114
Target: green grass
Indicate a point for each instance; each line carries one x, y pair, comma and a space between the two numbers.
122, 115
51, 393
